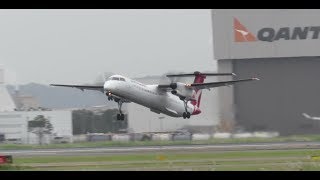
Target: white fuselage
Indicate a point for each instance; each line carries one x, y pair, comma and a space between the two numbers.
150, 96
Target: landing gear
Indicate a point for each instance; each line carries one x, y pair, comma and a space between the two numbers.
120, 116
185, 114
109, 96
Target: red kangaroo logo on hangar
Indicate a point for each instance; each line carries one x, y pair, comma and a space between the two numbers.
242, 34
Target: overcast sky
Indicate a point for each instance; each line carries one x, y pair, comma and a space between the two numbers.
76, 46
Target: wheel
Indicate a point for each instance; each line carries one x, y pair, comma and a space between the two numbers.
118, 116
122, 116
109, 98
184, 115
188, 115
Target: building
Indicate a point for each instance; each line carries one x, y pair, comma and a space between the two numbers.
6, 102
14, 125
141, 119
281, 47
25, 102
14, 119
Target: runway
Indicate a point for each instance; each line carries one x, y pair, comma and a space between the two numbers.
171, 148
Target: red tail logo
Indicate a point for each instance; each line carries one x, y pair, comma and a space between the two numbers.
199, 78
241, 34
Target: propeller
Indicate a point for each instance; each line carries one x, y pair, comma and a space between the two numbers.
102, 78
172, 80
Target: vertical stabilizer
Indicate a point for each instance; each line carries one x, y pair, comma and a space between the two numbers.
199, 79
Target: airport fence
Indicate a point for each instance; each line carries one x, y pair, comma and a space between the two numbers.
178, 136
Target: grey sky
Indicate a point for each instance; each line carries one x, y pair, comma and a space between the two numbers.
75, 46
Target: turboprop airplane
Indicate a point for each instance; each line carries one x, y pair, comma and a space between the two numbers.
174, 99
310, 117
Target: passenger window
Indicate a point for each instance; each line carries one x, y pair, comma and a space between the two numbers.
122, 79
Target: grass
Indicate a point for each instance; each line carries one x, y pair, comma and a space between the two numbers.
10, 167
257, 160
169, 156
157, 143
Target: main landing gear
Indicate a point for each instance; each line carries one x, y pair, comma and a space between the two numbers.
185, 114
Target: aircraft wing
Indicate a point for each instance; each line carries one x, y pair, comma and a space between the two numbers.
167, 87
310, 117
218, 84
97, 88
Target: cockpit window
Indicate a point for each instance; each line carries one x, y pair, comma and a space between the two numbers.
115, 78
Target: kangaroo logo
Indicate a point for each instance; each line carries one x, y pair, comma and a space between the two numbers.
196, 98
241, 34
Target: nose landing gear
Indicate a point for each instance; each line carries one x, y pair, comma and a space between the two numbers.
109, 96
120, 116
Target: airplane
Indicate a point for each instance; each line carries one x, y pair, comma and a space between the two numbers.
310, 117
175, 99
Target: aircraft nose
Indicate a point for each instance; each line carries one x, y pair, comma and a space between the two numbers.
108, 86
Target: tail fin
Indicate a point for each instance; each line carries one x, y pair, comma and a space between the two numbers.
199, 78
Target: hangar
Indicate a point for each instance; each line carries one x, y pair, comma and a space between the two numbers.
281, 47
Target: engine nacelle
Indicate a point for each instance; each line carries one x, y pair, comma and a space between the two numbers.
182, 91
173, 85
